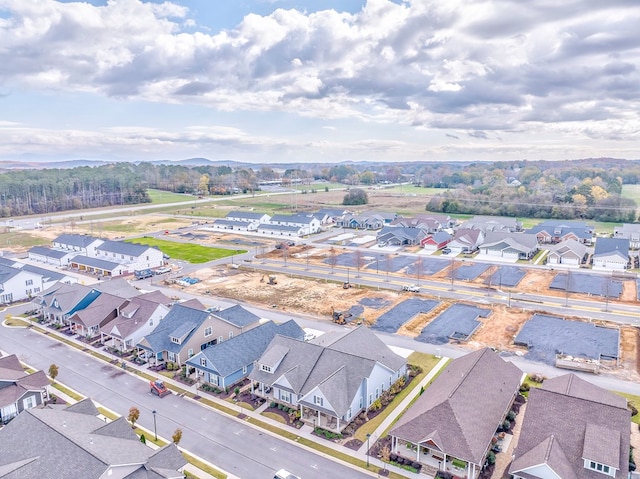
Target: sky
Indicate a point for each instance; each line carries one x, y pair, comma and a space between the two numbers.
266, 81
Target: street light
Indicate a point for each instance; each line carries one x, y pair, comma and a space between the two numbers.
368, 436
155, 430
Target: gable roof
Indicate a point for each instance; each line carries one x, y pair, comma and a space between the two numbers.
238, 316
247, 215
80, 241
570, 246
608, 246
181, 322
574, 420
98, 311
464, 405
230, 356
518, 241
56, 443
122, 247
337, 368
48, 252
17, 381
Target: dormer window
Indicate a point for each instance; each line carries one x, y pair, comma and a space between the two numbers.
266, 368
596, 466
175, 340
203, 361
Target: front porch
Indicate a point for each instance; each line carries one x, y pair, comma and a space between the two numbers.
434, 460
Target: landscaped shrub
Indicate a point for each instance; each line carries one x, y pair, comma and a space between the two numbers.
272, 404
491, 458
506, 424
525, 387
511, 415
633, 409
393, 457
377, 404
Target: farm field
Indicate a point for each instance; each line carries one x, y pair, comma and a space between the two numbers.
191, 252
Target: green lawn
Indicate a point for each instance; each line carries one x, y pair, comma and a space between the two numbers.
635, 400
14, 238
415, 190
159, 197
193, 253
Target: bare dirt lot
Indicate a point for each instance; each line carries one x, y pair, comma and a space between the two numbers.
320, 298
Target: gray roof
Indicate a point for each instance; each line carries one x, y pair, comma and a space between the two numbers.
606, 246
441, 237
7, 272
461, 410
297, 218
242, 350
222, 221
17, 381
267, 226
568, 420
51, 253
121, 247
519, 241
68, 296
181, 320
238, 316
559, 230
95, 262
570, 246
492, 223
118, 287
56, 443
81, 241
246, 215
101, 310
45, 273
337, 369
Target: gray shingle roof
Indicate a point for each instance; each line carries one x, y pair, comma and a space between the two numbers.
51, 253
121, 247
248, 215
242, 350
337, 369
81, 241
568, 420
58, 443
238, 316
180, 320
7, 272
606, 246
95, 262
464, 405
45, 273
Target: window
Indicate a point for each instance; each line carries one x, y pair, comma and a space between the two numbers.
203, 361
377, 393
230, 334
370, 399
208, 331
171, 356
29, 402
244, 370
318, 400
265, 368
285, 396
190, 352
175, 340
596, 466
361, 402
220, 339
28, 282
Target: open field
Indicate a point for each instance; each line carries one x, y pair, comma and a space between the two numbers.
193, 253
159, 197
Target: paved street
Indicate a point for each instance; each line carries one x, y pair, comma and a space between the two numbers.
232, 444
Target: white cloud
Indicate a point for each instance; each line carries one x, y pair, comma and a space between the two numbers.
474, 66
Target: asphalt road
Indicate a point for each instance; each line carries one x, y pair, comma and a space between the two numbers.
231, 444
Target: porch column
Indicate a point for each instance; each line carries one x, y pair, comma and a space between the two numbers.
337, 424
418, 452
444, 461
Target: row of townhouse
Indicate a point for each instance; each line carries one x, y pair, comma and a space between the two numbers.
570, 429
97, 256
301, 224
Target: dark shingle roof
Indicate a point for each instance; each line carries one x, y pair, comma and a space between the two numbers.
51, 253
463, 406
81, 241
238, 316
181, 320
230, 356
120, 247
569, 420
58, 443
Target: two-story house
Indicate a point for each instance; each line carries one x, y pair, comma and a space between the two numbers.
185, 331
229, 362
19, 390
331, 379
17, 284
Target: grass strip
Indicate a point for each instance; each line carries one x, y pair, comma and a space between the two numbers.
72, 394
426, 362
204, 467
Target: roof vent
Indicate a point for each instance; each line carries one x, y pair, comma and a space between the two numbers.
64, 423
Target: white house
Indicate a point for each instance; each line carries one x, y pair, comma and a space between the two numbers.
18, 285
308, 224
630, 232
78, 244
330, 379
134, 256
50, 256
611, 254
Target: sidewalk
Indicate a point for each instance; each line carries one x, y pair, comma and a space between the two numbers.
305, 431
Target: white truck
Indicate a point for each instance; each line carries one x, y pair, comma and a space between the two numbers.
413, 288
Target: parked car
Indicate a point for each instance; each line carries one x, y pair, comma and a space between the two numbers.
163, 270
283, 474
143, 274
446, 250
